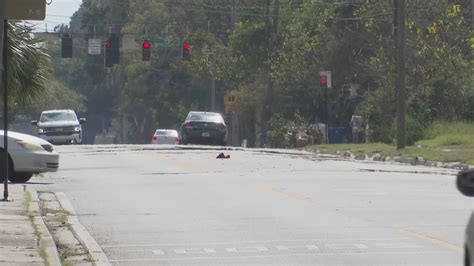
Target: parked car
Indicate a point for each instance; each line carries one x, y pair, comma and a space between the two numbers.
28, 155
60, 126
465, 184
165, 136
204, 127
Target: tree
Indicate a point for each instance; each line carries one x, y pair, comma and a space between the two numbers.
29, 66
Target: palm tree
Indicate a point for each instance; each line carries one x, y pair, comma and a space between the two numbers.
28, 65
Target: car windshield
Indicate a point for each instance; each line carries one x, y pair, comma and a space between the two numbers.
166, 133
211, 117
58, 116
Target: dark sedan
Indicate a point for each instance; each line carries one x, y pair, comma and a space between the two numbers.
204, 128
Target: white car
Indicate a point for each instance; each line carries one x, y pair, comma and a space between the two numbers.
165, 136
465, 184
28, 155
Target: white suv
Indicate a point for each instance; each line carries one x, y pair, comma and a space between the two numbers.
60, 127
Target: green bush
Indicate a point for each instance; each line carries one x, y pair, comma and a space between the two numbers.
278, 131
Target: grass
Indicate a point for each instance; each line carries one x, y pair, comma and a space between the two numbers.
44, 255
27, 201
445, 142
67, 263
42, 251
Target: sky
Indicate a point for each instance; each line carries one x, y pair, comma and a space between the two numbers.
58, 12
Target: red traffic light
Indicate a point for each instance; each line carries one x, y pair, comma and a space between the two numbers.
146, 45
186, 51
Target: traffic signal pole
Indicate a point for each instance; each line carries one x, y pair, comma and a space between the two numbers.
213, 83
400, 10
3, 75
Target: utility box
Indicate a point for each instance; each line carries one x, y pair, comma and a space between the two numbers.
337, 135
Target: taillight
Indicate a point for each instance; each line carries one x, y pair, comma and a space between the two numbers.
222, 126
177, 139
188, 125
154, 137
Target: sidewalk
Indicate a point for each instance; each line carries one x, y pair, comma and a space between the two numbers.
24, 238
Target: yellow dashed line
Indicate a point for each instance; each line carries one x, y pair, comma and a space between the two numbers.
433, 240
295, 197
178, 163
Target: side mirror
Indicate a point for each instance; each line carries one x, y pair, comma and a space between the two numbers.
34, 122
82, 120
465, 182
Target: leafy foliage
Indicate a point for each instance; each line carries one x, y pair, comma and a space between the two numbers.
270, 53
28, 67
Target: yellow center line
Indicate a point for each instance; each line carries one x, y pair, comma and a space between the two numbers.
295, 197
432, 239
177, 163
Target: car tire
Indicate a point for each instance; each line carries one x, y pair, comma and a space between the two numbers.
20, 177
467, 257
10, 165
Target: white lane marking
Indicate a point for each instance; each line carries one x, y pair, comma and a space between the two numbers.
398, 245
157, 252
307, 247
194, 251
370, 194
287, 255
257, 241
247, 249
344, 246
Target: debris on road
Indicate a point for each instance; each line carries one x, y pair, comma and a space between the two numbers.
223, 156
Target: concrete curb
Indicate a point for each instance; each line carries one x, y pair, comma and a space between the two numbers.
46, 240
414, 161
98, 256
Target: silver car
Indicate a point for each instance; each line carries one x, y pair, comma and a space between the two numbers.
465, 184
165, 136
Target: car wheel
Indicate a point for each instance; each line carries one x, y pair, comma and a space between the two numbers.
10, 165
467, 259
20, 177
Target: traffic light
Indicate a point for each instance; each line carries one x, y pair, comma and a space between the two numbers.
115, 49
112, 51
108, 54
146, 50
66, 46
186, 52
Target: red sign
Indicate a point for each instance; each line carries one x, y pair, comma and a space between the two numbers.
325, 79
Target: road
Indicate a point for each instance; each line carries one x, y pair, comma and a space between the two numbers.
150, 205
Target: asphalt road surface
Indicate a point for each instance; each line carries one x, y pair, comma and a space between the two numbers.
161, 205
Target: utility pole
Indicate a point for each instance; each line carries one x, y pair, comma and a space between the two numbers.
213, 82
271, 30
213, 70
400, 9
234, 18
3, 78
